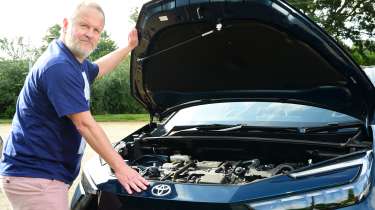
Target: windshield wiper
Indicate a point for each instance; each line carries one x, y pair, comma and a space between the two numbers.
253, 128
331, 127
247, 128
183, 128
231, 128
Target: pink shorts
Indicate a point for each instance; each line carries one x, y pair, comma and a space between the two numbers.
26, 193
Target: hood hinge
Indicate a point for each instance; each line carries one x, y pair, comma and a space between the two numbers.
151, 118
154, 115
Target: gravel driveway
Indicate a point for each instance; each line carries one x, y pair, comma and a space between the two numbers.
115, 131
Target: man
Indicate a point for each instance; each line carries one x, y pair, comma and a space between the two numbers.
42, 156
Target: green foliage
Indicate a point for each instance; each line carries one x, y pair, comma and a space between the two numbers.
14, 66
53, 32
111, 94
12, 77
120, 117
347, 21
5, 121
342, 19
105, 46
364, 53
366, 58
134, 15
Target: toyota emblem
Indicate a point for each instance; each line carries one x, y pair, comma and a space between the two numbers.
161, 190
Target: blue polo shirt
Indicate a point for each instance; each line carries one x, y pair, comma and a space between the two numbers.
44, 142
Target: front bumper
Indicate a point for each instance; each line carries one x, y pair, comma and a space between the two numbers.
99, 190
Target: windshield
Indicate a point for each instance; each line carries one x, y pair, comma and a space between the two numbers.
370, 72
273, 114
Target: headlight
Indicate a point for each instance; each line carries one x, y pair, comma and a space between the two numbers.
329, 198
87, 184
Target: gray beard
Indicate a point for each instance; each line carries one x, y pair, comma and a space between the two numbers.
75, 49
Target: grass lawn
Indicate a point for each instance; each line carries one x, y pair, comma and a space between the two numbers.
108, 118
5, 121
122, 117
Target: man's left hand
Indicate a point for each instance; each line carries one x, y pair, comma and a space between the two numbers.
133, 38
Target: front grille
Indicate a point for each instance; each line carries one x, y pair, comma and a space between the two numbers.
108, 201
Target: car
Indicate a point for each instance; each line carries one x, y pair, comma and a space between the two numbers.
252, 107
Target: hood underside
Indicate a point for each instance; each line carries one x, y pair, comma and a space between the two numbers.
194, 53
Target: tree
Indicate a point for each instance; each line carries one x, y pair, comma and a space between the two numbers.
17, 49
105, 46
364, 55
342, 19
53, 32
14, 66
345, 20
134, 15
12, 77
111, 94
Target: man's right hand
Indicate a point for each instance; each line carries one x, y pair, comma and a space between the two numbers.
99, 142
131, 179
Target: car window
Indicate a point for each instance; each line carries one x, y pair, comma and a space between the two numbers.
257, 113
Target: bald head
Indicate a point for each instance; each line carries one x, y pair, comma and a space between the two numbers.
86, 4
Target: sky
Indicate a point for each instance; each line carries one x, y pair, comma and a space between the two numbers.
32, 18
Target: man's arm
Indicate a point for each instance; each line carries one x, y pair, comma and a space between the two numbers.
99, 142
108, 62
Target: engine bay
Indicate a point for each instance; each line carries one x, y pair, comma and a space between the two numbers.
219, 159
184, 169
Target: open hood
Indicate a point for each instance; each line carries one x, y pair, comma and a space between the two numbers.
201, 51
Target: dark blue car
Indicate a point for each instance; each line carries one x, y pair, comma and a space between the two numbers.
252, 107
